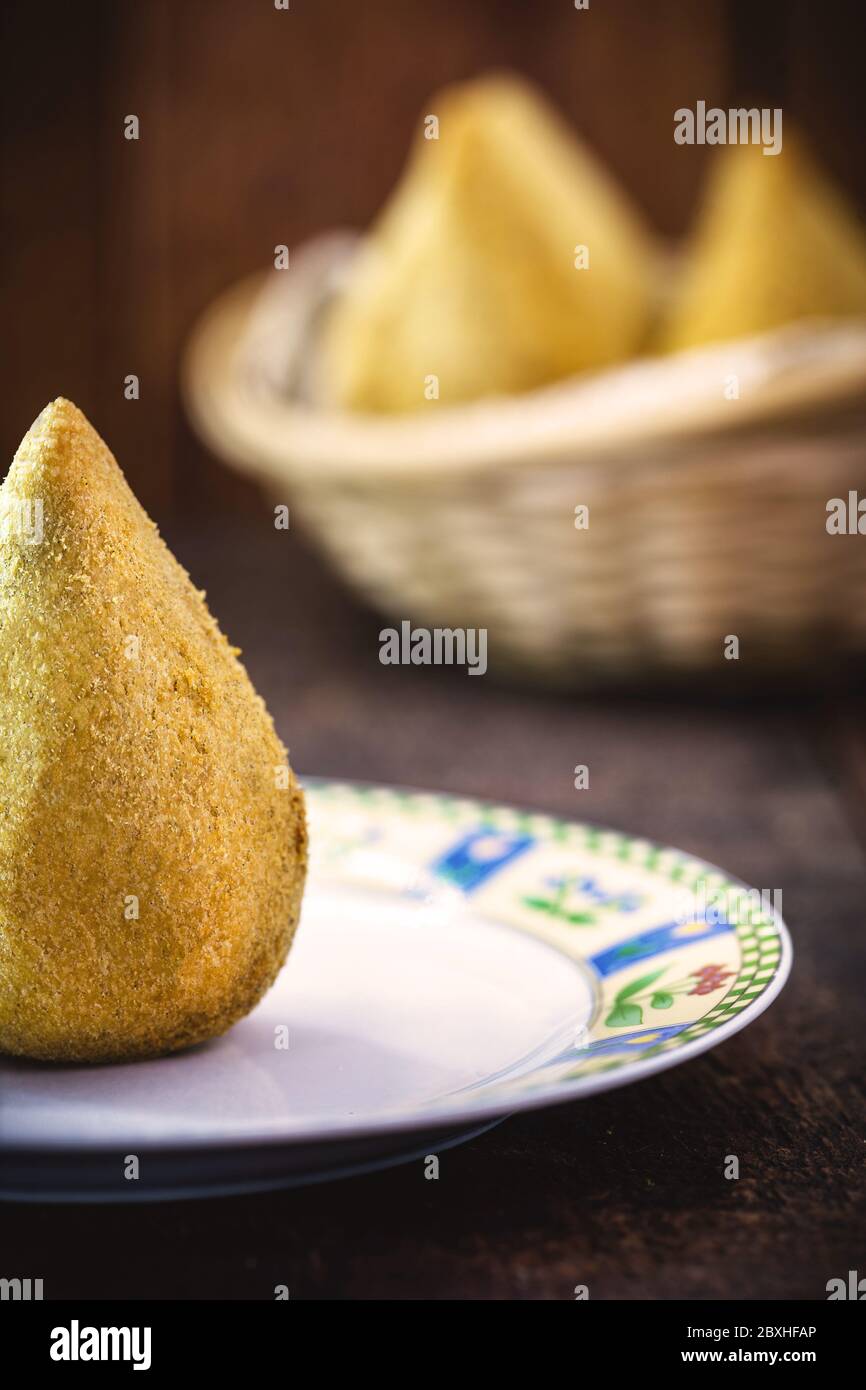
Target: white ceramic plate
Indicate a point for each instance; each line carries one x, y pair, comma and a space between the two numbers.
455, 963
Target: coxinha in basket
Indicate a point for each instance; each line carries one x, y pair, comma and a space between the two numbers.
153, 843
508, 257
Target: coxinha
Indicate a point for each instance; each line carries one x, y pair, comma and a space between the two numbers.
153, 843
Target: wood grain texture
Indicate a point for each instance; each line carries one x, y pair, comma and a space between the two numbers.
622, 1191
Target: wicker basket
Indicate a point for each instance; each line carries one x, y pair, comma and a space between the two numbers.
707, 515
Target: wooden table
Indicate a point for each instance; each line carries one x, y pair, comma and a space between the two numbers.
623, 1192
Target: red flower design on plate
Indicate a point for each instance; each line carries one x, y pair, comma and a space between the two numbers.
710, 978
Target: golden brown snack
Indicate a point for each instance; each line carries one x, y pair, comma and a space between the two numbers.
472, 273
775, 242
153, 840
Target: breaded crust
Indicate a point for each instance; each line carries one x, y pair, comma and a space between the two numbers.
153, 843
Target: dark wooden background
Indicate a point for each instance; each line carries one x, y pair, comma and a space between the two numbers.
260, 126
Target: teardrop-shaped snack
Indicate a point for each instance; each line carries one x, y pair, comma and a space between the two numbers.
152, 836
505, 259
775, 242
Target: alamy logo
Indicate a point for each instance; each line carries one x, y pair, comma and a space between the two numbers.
438, 646
846, 518
23, 518
20, 1290
734, 906
736, 126
76, 1343
854, 1288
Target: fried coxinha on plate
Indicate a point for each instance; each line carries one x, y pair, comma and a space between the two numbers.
153, 843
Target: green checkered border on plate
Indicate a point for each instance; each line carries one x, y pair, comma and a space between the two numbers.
759, 939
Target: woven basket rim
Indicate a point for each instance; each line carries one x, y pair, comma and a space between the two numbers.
807, 366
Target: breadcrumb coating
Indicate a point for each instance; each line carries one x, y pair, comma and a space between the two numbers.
153, 844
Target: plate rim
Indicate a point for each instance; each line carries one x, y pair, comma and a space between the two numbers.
442, 1115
